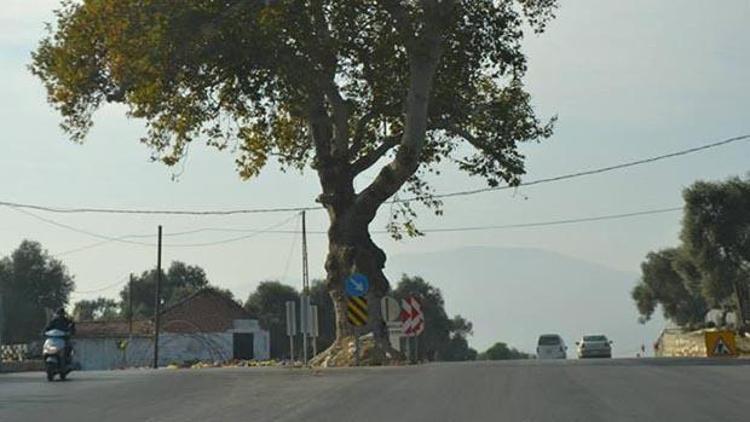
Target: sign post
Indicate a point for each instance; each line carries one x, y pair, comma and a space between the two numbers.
315, 330
390, 310
304, 322
356, 314
291, 327
413, 319
356, 287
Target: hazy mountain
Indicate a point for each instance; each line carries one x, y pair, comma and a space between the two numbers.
513, 295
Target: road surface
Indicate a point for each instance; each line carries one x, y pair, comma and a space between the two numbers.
525, 391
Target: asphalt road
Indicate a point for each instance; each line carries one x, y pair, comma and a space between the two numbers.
528, 391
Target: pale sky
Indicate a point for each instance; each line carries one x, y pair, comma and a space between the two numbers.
627, 80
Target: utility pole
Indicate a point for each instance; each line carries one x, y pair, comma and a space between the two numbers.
2, 317
130, 306
305, 275
305, 299
157, 302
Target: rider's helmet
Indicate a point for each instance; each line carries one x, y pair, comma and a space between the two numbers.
60, 312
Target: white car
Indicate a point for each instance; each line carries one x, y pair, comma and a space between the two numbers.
595, 346
551, 346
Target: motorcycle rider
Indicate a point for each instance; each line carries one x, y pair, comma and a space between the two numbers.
60, 321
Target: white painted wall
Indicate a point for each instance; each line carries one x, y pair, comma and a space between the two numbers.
103, 353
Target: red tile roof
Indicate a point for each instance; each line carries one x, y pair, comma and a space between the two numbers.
206, 311
113, 328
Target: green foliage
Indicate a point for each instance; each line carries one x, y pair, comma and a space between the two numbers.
99, 309
443, 338
670, 279
711, 268
32, 284
268, 304
307, 82
180, 281
716, 234
501, 351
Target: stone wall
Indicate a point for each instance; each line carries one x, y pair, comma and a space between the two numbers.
678, 343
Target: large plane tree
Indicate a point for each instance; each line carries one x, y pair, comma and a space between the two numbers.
395, 86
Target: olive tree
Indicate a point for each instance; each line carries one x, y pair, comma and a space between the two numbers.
395, 86
716, 233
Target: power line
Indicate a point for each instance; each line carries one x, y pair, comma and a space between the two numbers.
123, 239
254, 233
289, 256
119, 281
556, 222
594, 171
64, 210
89, 210
273, 229
295, 232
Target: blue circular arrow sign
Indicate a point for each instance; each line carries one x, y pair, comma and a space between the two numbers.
357, 285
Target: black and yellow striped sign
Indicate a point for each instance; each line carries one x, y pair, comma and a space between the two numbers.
356, 310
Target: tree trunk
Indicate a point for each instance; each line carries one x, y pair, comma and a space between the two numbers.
351, 250
743, 310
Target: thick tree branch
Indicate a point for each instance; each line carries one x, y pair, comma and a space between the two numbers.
320, 130
327, 57
342, 110
463, 133
372, 157
397, 172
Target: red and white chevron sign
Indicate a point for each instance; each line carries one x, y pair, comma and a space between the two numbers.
412, 317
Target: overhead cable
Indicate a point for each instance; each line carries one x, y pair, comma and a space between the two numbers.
78, 210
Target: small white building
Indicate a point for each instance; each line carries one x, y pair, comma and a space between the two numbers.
206, 326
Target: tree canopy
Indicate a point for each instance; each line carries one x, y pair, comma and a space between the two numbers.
716, 234
711, 267
501, 351
178, 282
99, 309
272, 68
33, 284
670, 279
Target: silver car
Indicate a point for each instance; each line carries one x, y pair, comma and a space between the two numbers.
595, 346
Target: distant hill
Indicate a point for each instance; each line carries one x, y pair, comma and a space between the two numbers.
513, 295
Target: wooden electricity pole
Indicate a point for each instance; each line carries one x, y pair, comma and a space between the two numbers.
157, 302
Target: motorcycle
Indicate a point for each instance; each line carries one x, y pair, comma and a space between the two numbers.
56, 360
